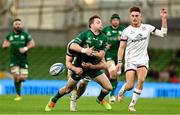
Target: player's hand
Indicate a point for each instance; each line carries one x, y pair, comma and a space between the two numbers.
89, 51
163, 13
23, 50
118, 68
6, 44
78, 70
86, 65
108, 46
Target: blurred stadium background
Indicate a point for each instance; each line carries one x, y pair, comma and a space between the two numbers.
53, 23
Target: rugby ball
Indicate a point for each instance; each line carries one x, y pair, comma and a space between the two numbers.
56, 68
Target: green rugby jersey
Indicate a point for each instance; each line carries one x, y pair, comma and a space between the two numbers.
113, 40
89, 39
18, 40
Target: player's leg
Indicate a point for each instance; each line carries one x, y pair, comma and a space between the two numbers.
82, 86
141, 73
15, 70
77, 92
113, 79
70, 85
107, 87
130, 70
18, 83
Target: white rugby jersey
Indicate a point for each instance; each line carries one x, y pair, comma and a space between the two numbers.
137, 43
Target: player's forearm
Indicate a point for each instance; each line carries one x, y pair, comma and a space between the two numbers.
121, 51
100, 55
76, 47
164, 22
70, 66
100, 65
31, 44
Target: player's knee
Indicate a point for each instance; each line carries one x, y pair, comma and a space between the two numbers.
23, 77
83, 85
16, 77
68, 90
113, 74
129, 86
109, 88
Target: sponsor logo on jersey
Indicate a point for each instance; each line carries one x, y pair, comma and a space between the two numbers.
16, 36
143, 28
139, 38
132, 32
113, 31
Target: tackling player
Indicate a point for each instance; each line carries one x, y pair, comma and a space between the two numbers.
91, 44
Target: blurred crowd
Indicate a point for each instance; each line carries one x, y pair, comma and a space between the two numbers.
170, 73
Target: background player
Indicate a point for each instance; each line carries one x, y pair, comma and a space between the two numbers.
113, 33
19, 42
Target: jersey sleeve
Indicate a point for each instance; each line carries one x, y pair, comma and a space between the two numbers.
105, 44
104, 30
124, 36
7, 37
151, 28
68, 52
80, 38
28, 37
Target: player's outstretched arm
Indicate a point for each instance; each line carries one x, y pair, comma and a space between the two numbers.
163, 31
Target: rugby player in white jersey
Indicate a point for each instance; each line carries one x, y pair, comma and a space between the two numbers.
134, 41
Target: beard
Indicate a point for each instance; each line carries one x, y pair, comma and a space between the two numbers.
18, 29
115, 25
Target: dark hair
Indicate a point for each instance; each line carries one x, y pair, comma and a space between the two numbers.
17, 19
135, 8
91, 19
114, 16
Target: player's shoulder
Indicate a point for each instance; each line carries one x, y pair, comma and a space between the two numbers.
122, 27
11, 33
24, 32
146, 25
127, 28
85, 32
107, 27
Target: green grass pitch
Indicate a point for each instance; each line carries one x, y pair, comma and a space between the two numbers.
87, 105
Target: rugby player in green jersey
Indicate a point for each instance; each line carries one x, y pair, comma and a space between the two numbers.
90, 46
19, 42
113, 33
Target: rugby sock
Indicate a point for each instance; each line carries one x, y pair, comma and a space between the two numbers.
18, 87
56, 97
102, 95
114, 85
136, 95
122, 90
